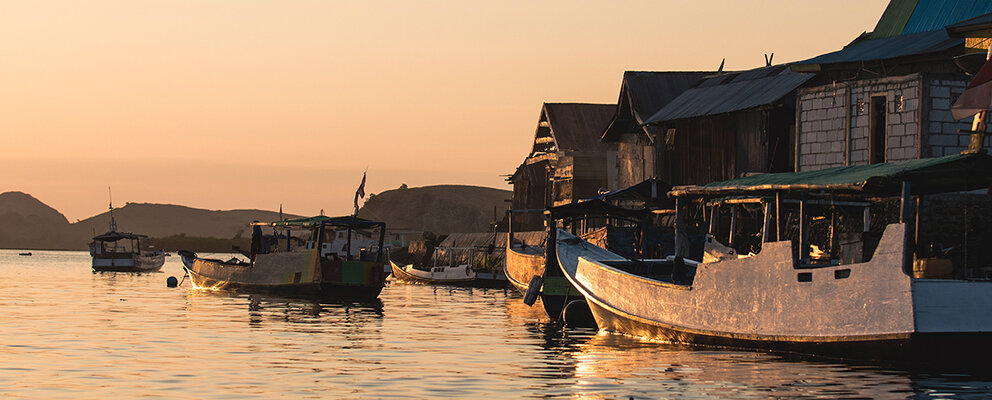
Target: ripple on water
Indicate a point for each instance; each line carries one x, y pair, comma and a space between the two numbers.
71, 333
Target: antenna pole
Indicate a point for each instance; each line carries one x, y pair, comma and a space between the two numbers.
113, 224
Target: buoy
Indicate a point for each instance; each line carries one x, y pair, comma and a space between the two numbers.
172, 282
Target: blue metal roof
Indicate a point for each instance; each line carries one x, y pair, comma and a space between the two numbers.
889, 47
932, 15
732, 92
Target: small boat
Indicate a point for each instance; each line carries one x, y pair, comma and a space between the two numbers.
121, 252
327, 257
462, 259
878, 297
24, 254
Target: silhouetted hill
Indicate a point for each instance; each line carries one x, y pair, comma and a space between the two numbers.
161, 220
27, 223
438, 209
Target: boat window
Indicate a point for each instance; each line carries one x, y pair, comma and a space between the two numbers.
842, 273
805, 277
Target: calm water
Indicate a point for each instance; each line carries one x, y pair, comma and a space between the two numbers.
67, 332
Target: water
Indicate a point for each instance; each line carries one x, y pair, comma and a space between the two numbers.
66, 332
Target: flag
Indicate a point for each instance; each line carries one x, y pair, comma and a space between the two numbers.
360, 193
977, 97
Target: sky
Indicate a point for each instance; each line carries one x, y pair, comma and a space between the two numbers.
239, 104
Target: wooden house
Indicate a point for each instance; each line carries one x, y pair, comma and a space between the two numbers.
567, 161
887, 96
642, 94
728, 125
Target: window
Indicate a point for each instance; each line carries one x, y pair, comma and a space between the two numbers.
876, 130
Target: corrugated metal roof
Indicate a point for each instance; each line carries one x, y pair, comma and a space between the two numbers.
643, 93
578, 126
903, 17
732, 92
932, 15
928, 175
894, 18
890, 47
979, 22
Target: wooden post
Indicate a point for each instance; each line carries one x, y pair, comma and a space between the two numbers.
907, 253
803, 231
732, 240
681, 239
509, 229
550, 257
714, 216
382, 241
867, 219
348, 252
834, 251
778, 217
767, 225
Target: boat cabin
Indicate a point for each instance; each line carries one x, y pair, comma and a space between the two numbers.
115, 244
339, 238
837, 216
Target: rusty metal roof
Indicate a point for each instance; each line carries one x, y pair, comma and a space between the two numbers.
578, 126
731, 92
642, 94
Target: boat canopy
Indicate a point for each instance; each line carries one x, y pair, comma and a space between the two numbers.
651, 191
961, 172
346, 221
114, 236
595, 208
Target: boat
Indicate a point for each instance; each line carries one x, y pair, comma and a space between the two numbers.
24, 254
327, 257
880, 296
524, 255
115, 251
461, 259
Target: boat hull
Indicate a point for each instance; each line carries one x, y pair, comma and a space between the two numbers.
142, 263
450, 276
871, 309
521, 267
294, 274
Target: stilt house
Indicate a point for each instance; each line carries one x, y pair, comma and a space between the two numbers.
887, 96
642, 94
567, 162
728, 125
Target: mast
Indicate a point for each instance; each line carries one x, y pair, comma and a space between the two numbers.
113, 224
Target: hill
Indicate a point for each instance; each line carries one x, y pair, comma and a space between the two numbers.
161, 220
27, 223
438, 209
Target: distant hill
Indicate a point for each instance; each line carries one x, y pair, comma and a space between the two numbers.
438, 209
28, 223
160, 220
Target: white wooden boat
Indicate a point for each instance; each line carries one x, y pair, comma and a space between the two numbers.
778, 299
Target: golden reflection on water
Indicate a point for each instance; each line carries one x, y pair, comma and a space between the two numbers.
66, 332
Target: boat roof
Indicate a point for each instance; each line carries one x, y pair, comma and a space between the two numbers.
113, 236
345, 221
960, 172
594, 208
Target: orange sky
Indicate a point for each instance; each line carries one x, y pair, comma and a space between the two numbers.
226, 104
